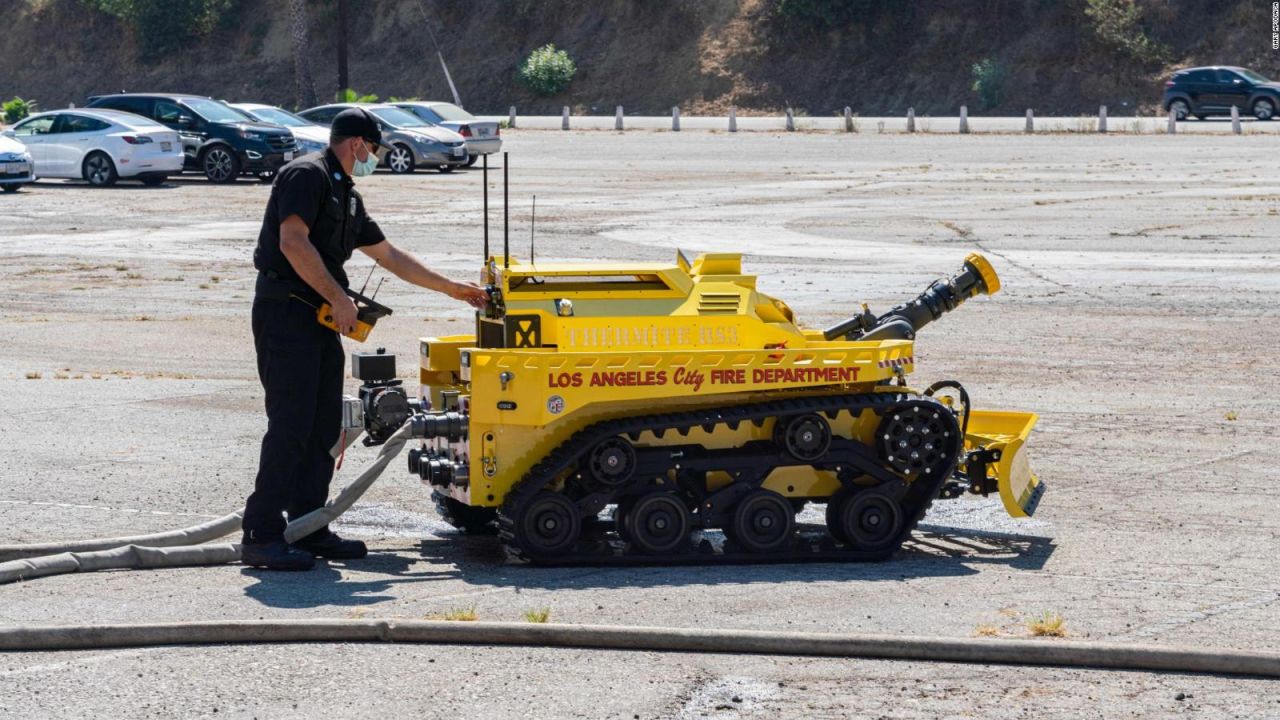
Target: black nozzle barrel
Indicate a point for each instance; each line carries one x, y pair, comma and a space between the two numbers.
451, 426
942, 296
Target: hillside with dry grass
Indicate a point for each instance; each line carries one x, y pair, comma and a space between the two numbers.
998, 57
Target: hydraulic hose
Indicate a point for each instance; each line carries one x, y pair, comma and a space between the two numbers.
1062, 653
179, 548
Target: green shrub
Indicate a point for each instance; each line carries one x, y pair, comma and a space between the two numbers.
163, 25
988, 81
547, 71
348, 95
1118, 23
17, 109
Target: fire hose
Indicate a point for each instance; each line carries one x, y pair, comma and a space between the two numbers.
186, 547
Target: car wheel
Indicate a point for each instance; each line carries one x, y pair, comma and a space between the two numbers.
445, 168
1180, 109
400, 159
12, 187
220, 164
99, 170
472, 160
1264, 109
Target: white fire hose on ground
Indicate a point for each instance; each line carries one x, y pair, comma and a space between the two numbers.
179, 548
186, 547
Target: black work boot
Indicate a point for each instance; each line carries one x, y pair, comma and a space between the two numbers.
327, 544
276, 555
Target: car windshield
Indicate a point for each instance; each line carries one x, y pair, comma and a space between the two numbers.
395, 117
447, 111
1252, 76
279, 117
214, 111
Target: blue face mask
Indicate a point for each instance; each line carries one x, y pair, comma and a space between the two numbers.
365, 167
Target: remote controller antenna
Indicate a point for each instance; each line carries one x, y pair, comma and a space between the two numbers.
533, 222
506, 216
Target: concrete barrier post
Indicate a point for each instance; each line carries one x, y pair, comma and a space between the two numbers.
675, 118
1235, 120
1173, 123
791, 121
911, 119
1031, 121
964, 119
733, 119
1102, 118
617, 119
511, 119
848, 119
564, 118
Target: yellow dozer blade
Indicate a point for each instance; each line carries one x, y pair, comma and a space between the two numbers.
1006, 433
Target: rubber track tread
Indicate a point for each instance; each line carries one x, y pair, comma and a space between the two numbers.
559, 459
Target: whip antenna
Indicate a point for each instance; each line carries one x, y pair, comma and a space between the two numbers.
533, 221
506, 217
485, 260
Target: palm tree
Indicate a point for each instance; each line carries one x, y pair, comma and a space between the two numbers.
306, 88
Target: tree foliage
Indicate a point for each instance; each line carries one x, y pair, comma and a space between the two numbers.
547, 71
163, 25
1118, 23
988, 81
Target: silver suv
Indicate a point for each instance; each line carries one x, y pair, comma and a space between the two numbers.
413, 142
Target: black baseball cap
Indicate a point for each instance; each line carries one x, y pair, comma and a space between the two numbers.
356, 122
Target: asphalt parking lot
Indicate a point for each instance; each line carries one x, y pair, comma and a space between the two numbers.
1138, 317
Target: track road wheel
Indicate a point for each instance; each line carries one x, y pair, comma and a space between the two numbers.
658, 523
835, 504
762, 522
868, 520
804, 437
548, 527
612, 462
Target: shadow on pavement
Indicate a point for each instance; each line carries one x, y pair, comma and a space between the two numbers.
326, 585
953, 553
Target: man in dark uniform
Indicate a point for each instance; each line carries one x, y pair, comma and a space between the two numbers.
314, 220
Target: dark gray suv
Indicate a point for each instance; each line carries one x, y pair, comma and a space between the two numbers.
1205, 91
216, 139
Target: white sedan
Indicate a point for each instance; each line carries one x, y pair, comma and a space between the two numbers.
311, 137
100, 146
16, 168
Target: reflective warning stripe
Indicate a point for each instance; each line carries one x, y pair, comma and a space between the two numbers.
898, 362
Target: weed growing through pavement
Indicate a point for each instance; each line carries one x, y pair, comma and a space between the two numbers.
1047, 624
986, 631
1232, 416
33, 375
540, 615
459, 614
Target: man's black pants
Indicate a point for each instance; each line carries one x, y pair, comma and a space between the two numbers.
300, 364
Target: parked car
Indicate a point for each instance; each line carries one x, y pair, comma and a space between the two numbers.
1205, 91
413, 141
309, 136
483, 136
216, 138
16, 166
100, 146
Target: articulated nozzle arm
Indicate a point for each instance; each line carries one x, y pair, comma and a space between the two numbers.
904, 321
